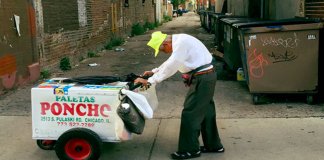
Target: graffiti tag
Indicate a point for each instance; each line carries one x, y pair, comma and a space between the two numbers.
284, 57
286, 43
256, 64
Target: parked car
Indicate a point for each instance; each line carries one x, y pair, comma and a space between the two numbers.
184, 11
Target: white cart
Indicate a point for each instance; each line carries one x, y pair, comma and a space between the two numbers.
76, 119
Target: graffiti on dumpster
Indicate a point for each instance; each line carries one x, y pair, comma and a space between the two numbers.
256, 64
282, 57
291, 42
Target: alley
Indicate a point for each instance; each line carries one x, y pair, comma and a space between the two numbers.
284, 128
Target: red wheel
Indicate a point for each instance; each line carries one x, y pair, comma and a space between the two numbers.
78, 144
46, 144
78, 149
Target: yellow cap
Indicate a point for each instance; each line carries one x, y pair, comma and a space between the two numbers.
156, 40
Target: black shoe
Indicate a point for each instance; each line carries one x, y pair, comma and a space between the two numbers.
203, 149
185, 155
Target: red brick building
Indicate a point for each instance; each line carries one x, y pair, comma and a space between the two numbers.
36, 34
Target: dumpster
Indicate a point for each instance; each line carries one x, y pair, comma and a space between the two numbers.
232, 56
207, 20
275, 57
202, 17
219, 30
210, 21
213, 22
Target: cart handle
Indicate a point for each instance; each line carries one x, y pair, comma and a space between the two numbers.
138, 84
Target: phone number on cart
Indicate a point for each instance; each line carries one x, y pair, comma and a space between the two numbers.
75, 124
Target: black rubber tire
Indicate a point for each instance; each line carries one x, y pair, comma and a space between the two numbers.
255, 99
44, 145
85, 135
310, 99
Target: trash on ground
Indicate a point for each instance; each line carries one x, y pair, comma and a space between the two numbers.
119, 49
93, 64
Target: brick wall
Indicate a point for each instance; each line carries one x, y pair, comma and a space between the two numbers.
74, 27
137, 12
50, 30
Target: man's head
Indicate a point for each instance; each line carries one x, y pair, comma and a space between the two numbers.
160, 42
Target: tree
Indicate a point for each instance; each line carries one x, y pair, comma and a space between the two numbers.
176, 3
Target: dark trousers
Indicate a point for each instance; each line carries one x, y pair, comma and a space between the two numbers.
199, 115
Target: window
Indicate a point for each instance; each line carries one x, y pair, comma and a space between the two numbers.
314, 9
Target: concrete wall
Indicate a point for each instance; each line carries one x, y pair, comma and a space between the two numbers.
284, 9
159, 10
238, 7
18, 59
274, 9
219, 6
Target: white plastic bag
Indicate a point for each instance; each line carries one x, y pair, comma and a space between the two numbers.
140, 102
151, 96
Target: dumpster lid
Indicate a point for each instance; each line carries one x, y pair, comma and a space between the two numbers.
202, 11
216, 14
210, 12
276, 22
220, 16
234, 20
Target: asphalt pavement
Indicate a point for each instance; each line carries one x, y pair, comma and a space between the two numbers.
244, 139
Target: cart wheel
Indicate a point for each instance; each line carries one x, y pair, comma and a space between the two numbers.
77, 144
255, 99
46, 144
310, 99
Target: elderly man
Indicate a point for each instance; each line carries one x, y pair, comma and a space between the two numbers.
189, 56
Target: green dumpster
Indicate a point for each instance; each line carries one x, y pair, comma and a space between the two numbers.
232, 55
210, 20
213, 21
219, 30
281, 56
205, 19
202, 15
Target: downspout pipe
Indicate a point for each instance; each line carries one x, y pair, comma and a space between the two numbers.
262, 9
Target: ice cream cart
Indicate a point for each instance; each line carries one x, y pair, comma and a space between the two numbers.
75, 119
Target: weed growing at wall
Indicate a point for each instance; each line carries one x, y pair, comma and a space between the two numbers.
109, 46
157, 24
167, 18
114, 41
45, 74
92, 54
81, 58
65, 64
148, 25
137, 29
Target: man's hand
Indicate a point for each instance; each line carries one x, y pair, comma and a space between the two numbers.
142, 81
148, 73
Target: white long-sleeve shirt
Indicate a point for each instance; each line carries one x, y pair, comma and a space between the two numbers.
188, 54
